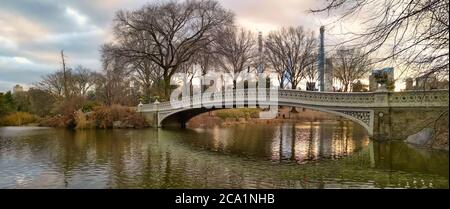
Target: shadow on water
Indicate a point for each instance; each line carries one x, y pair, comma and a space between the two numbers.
396, 155
288, 155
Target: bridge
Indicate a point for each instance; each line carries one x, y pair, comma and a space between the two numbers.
385, 115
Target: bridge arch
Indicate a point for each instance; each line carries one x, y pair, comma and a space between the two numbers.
181, 116
385, 115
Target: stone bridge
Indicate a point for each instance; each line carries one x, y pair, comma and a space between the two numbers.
385, 115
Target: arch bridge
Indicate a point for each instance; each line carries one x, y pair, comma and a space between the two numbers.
385, 115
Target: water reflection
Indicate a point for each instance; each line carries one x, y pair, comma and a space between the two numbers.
299, 142
332, 155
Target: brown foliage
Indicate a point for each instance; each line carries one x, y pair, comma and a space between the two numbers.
105, 116
58, 121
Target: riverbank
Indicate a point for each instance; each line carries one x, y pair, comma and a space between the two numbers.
433, 136
100, 117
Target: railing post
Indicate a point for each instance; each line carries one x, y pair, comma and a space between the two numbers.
381, 99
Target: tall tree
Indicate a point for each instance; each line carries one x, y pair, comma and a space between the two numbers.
53, 83
6, 103
235, 49
168, 33
311, 72
350, 65
82, 80
41, 101
113, 85
289, 51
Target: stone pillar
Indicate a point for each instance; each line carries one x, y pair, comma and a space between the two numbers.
382, 122
151, 118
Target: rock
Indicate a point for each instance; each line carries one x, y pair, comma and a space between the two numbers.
422, 138
117, 124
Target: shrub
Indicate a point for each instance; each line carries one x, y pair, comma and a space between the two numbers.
58, 121
89, 106
105, 116
82, 121
18, 119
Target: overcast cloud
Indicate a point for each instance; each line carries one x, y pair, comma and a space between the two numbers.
32, 33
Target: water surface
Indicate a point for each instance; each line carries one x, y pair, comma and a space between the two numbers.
288, 155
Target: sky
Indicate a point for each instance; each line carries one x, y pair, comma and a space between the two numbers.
32, 33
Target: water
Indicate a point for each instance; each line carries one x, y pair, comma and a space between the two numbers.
300, 155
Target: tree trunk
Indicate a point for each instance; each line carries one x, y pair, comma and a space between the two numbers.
166, 87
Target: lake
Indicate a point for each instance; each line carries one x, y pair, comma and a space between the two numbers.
286, 155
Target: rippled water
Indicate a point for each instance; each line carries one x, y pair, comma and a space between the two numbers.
300, 155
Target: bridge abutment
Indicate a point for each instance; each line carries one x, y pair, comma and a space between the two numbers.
399, 123
151, 118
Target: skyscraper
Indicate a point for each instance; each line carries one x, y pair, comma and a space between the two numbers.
321, 60
328, 75
260, 67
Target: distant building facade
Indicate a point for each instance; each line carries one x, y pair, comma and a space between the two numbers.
373, 84
429, 82
17, 88
329, 77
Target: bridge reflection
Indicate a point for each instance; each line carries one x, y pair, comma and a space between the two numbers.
398, 156
310, 141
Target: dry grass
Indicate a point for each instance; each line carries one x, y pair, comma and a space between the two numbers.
238, 113
18, 119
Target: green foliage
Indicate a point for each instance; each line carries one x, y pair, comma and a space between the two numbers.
18, 119
238, 113
89, 106
2, 105
6, 103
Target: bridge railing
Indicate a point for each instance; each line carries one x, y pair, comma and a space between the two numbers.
419, 98
335, 99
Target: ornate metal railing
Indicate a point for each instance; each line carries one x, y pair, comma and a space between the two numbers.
330, 99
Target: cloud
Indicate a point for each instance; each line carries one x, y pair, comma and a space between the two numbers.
32, 33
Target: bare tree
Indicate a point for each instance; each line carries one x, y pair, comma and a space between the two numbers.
168, 34
414, 33
207, 60
113, 85
350, 65
235, 49
54, 83
147, 74
82, 80
311, 72
64, 72
289, 51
